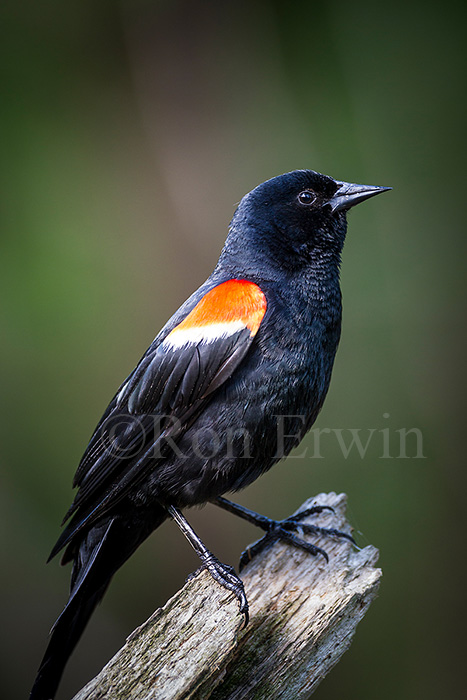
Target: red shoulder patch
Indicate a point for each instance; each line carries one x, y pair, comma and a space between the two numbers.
234, 301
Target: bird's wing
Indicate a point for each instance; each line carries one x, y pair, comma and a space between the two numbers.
163, 396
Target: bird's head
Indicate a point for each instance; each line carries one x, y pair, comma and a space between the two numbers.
297, 215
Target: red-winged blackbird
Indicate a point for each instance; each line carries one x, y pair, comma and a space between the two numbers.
205, 410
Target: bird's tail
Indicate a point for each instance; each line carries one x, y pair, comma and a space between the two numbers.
100, 553
64, 637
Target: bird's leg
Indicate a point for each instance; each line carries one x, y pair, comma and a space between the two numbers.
222, 573
281, 529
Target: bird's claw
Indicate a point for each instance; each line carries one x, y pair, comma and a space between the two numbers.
226, 576
283, 530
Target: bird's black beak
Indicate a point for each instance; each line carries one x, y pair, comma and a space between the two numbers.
349, 194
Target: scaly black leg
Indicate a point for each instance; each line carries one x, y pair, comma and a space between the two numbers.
281, 529
222, 573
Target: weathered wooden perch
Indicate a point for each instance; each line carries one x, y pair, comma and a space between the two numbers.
304, 613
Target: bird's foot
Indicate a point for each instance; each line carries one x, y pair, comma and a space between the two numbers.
226, 576
284, 530
222, 573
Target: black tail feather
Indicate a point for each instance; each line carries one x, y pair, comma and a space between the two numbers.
89, 580
97, 557
64, 637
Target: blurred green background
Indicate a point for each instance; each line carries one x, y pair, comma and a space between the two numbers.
130, 131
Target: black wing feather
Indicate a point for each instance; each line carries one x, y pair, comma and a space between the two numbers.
170, 382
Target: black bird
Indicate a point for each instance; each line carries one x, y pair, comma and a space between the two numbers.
229, 386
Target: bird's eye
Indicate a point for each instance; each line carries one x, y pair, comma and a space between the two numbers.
306, 197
